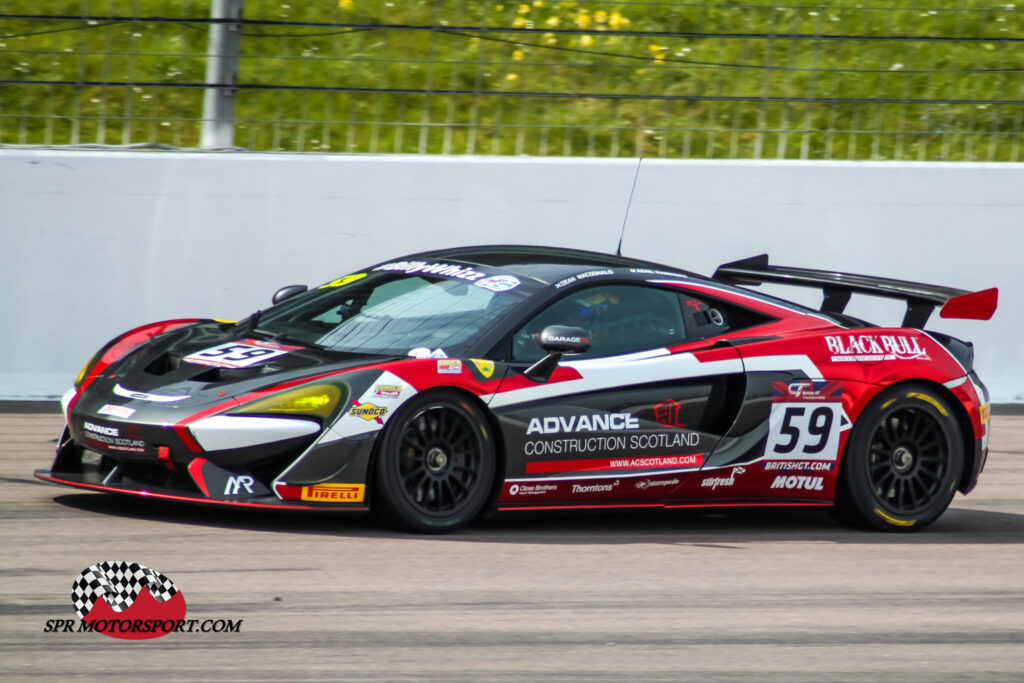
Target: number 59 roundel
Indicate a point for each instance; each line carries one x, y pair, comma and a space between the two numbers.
805, 422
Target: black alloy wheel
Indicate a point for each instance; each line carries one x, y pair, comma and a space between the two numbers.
436, 464
903, 461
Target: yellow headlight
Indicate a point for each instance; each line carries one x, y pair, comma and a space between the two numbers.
85, 369
319, 399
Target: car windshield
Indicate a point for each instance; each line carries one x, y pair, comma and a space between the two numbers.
392, 314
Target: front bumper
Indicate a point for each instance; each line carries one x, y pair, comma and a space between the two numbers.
198, 481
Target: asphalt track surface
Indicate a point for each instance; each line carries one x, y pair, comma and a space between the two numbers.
754, 595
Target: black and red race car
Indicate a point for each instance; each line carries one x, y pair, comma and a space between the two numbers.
433, 387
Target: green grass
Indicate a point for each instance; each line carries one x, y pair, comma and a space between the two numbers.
546, 125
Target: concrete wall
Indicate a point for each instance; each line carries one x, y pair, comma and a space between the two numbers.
93, 243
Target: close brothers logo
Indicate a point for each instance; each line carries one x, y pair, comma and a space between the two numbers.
130, 601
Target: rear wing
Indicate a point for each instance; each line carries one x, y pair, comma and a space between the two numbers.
837, 288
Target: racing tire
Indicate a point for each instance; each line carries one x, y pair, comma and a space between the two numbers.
902, 463
435, 467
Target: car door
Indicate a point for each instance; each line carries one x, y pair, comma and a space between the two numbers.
628, 420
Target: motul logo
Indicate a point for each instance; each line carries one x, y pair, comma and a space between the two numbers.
797, 482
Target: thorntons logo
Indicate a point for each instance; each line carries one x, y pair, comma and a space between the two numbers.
714, 482
594, 488
582, 423
875, 347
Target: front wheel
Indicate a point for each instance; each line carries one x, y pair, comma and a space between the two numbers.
903, 461
436, 464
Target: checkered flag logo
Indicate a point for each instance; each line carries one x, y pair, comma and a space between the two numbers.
119, 583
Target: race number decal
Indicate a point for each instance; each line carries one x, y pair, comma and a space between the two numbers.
805, 421
238, 354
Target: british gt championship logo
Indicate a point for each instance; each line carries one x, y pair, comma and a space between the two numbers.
127, 600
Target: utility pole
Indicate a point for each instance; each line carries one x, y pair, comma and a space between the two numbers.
222, 68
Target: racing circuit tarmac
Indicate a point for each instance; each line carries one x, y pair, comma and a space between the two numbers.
766, 596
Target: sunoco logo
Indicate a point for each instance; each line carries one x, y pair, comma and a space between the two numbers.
130, 601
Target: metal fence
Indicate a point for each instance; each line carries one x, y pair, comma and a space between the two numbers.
808, 80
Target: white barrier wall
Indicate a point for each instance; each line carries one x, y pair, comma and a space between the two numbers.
94, 243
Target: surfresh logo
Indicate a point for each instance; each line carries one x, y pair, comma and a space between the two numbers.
714, 482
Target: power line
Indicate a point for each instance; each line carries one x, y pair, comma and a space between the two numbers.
518, 93
513, 30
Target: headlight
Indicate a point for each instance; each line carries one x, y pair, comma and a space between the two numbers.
319, 399
85, 370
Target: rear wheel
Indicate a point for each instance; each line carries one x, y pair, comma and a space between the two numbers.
903, 461
435, 467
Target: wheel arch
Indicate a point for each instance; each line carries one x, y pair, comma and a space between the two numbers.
959, 412
492, 424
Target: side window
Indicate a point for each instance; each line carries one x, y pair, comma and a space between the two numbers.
620, 318
706, 317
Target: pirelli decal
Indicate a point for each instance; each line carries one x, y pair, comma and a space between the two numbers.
334, 493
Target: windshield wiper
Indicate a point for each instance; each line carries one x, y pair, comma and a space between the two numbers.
283, 337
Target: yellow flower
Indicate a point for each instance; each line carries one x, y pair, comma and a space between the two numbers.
600, 16
553, 21
586, 41
538, 3
499, 8
512, 77
582, 19
524, 9
518, 22
345, 4
616, 20
655, 48
517, 56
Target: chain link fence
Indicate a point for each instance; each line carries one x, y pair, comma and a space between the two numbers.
798, 80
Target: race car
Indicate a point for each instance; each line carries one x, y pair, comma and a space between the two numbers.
435, 387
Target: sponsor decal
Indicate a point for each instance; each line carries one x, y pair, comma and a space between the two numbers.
984, 412
241, 483
649, 462
807, 390
142, 396
645, 484
342, 281
419, 352
568, 340
594, 488
799, 482
582, 276
714, 482
387, 390
367, 411
130, 601
433, 268
498, 283
486, 367
582, 423
449, 367
874, 347
798, 466
112, 438
634, 442
116, 411
666, 414
335, 493
241, 354
531, 489
438, 353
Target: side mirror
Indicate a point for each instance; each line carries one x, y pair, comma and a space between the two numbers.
557, 340
287, 293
